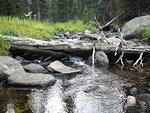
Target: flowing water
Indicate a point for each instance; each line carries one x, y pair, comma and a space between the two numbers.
82, 93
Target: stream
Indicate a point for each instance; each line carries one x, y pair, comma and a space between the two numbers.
104, 91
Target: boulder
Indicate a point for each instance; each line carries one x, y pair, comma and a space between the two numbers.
135, 26
34, 68
59, 67
9, 66
101, 58
30, 79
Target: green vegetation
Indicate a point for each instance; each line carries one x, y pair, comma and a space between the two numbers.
4, 46
145, 35
39, 30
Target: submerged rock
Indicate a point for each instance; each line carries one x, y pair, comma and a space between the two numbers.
9, 66
136, 26
145, 97
131, 101
57, 66
35, 68
28, 79
133, 91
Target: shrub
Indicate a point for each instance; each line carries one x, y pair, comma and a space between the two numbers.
4, 46
145, 35
10, 32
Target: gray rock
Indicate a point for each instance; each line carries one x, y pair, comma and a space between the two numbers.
34, 68
22, 60
87, 32
131, 101
4, 72
101, 58
135, 26
114, 40
9, 66
133, 91
28, 79
61, 68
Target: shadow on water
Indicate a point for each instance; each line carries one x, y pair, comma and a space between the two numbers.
137, 84
83, 93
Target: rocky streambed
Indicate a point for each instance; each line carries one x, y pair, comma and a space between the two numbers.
95, 90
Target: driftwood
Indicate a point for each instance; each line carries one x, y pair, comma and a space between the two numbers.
101, 28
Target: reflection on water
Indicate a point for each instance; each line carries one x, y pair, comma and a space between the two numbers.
86, 103
137, 84
48, 101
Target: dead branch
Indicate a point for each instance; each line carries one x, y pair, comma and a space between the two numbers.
116, 49
122, 35
102, 32
104, 26
139, 60
93, 54
120, 59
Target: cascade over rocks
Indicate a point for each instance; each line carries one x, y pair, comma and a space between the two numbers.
136, 26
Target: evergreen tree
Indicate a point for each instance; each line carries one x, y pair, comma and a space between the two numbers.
10, 7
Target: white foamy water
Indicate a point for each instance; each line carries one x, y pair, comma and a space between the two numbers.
77, 60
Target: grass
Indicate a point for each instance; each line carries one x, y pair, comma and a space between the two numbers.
145, 35
39, 30
4, 46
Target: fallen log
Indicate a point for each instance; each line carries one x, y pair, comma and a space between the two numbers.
65, 48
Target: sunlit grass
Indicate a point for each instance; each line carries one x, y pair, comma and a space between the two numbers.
39, 30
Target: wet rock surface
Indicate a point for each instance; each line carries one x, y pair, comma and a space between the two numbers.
28, 79
61, 68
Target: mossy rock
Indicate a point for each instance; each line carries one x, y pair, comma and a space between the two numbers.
136, 26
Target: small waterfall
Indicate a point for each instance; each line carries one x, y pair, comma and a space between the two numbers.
77, 60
